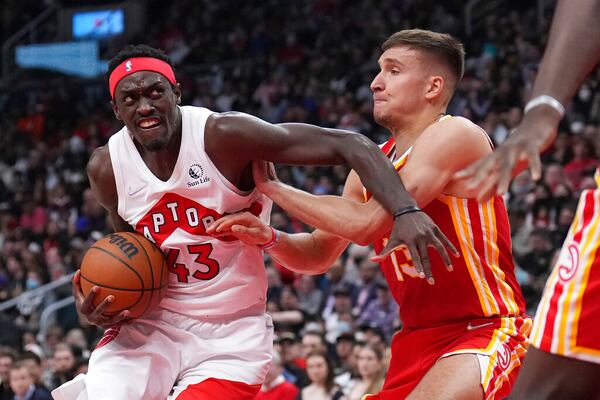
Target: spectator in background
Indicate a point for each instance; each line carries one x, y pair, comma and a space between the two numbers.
371, 373
520, 230
275, 287
275, 386
288, 316
382, 312
536, 263
22, 384
320, 372
292, 361
336, 279
584, 161
33, 363
63, 362
310, 297
7, 359
340, 320
369, 276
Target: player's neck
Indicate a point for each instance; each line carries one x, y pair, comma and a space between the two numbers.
408, 131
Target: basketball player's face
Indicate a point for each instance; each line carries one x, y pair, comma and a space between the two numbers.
147, 103
399, 87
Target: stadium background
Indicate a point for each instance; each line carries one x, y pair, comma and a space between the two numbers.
307, 61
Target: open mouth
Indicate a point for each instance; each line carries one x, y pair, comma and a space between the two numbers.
149, 123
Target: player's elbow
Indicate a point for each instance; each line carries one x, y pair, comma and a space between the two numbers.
358, 236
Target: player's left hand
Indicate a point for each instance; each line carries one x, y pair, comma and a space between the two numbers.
492, 174
418, 232
244, 226
264, 175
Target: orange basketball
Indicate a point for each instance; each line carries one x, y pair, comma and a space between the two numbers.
128, 266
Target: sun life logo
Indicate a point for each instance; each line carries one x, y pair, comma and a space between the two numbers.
197, 172
128, 66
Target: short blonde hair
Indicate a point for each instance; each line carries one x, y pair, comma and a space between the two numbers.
446, 49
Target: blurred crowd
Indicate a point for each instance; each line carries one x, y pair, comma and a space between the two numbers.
305, 61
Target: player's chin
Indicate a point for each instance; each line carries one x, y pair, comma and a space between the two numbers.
152, 139
154, 144
381, 117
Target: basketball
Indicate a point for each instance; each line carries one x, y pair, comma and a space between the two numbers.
129, 267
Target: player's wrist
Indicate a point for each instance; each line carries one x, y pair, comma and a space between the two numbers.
546, 102
273, 239
405, 210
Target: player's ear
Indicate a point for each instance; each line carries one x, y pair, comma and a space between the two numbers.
177, 92
116, 110
435, 87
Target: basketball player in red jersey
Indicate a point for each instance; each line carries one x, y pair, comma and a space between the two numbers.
564, 357
465, 335
168, 174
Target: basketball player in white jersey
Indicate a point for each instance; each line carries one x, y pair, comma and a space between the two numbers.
168, 174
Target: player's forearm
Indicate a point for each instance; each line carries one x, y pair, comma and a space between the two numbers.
307, 253
376, 173
573, 49
339, 216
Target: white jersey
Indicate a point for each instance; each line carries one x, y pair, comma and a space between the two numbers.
209, 277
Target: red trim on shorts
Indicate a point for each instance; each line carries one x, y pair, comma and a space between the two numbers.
213, 388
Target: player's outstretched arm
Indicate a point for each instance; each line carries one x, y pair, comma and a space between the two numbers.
248, 138
573, 50
306, 253
439, 152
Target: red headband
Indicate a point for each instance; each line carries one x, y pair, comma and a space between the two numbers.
132, 65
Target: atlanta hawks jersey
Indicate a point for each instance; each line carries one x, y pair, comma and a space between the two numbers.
209, 277
482, 283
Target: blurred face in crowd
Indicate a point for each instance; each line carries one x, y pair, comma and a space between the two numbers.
20, 380
368, 363
353, 360
289, 300
402, 71
368, 271
147, 103
312, 343
343, 303
5, 363
344, 348
290, 351
336, 271
64, 360
35, 370
316, 369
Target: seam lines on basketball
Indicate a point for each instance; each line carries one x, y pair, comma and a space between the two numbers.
143, 288
122, 289
133, 236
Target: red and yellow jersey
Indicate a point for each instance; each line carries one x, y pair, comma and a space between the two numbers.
483, 282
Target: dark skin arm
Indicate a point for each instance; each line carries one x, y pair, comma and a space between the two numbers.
233, 140
573, 50
102, 183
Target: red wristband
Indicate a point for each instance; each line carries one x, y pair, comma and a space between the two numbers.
273, 241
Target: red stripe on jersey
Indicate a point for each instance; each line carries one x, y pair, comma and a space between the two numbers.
588, 322
588, 213
387, 146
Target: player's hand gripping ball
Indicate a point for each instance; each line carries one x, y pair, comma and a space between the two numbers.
129, 267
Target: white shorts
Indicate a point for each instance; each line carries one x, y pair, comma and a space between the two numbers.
157, 357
